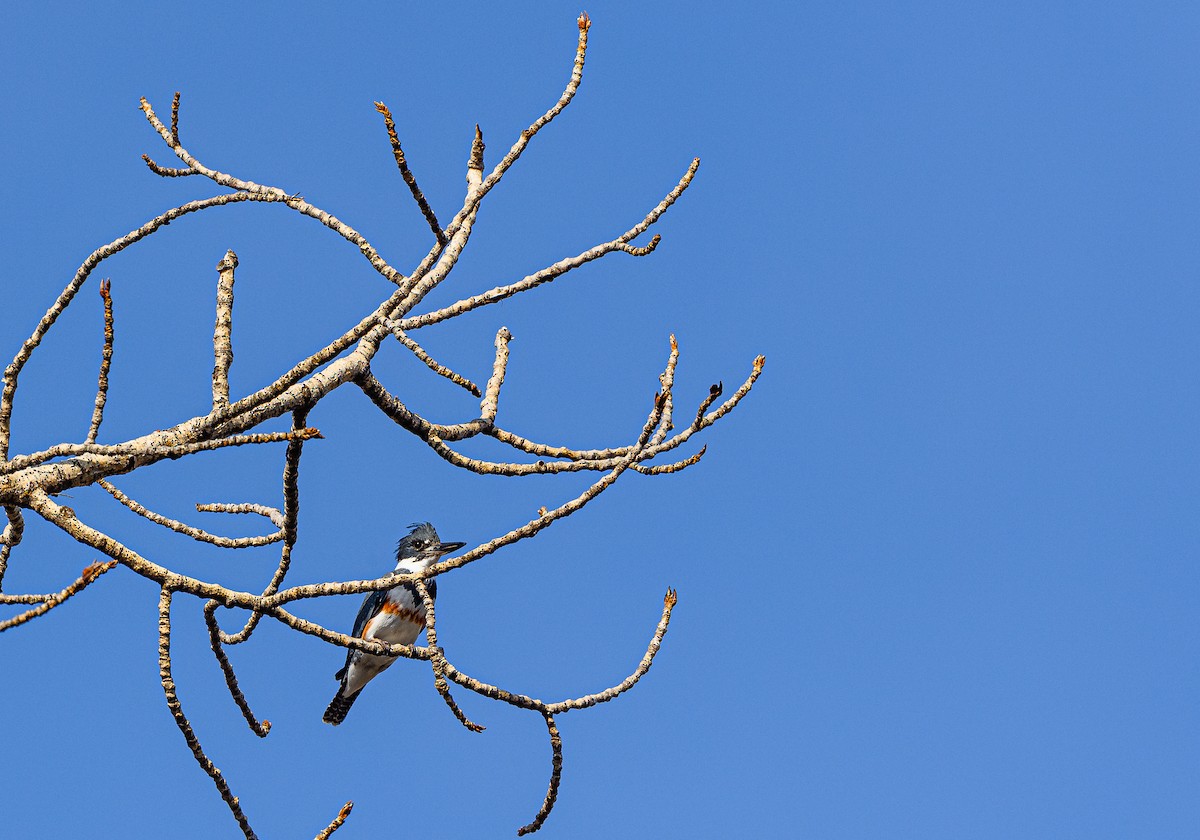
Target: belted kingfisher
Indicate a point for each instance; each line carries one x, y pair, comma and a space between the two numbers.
395, 616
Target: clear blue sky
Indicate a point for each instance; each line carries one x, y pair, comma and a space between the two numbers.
938, 574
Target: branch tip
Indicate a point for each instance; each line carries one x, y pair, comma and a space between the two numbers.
584, 21
337, 822
759, 361
95, 570
671, 599
477, 147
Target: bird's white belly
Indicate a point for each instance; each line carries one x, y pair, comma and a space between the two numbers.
390, 628
393, 629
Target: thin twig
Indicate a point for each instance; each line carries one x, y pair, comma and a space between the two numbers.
295, 202
408, 177
667, 381
337, 822
556, 762
669, 602
289, 526
105, 363
188, 530
166, 171
438, 660
89, 574
10, 536
222, 332
561, 267
259, 728
430, 362
176, 708
491, 397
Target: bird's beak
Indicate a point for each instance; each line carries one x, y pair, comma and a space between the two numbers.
446, 548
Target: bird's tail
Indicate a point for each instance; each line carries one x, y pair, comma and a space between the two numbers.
336, 713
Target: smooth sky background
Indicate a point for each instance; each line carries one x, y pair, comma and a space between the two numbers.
938, 572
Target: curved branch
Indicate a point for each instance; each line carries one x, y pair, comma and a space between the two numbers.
556, 762
669, 602
188, 530
259, 728
288, 527
10, 536
438, 659
561, 267
293, 201
176, 709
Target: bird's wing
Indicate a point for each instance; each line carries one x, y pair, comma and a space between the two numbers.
372, 604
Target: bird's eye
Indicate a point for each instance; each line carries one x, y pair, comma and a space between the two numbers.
419, 544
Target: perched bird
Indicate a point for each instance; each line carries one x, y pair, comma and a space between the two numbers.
395, 616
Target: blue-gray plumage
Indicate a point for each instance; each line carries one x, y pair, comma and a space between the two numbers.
395, 616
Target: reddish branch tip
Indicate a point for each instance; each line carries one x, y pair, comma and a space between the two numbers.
759, 362
584, 22
265, 724
105, 285
95, 570
674, 346
671, 598
383, 109
309, 434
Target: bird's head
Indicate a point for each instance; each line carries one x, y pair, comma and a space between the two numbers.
422, 547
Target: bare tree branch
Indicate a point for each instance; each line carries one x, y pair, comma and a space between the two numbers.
337, 822
105, 363
259, 728
10, 537
222, 332
185, 726
556, 763
288, 527
188, 530
440, 370
31, 481
51, 601
408, 177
